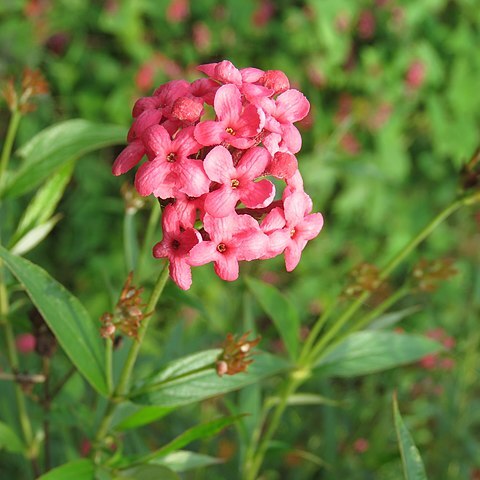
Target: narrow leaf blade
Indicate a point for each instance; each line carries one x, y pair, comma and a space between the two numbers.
83, 469
9, 440
413, 467
66, 317
371, 351
183, 461
194, 378
280, 310
56, 145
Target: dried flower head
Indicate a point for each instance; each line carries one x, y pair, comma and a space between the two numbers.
33, 84
365, 278
128, 314
427, 274
235, 356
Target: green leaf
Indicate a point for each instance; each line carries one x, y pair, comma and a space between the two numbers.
66, 317
83, 469
389, 319
183, 460
9, 440
202, 431
44, 203
140, 416
33, 237
147, 472
413, 468
372, 351
280, 310
56, 145
299, 399
194, 378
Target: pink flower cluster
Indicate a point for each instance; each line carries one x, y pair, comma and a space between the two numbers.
209, 146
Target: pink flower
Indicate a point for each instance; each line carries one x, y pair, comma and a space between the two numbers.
25, 343
177, 242
170, 169
301, 224
237, 183
224, 72
235, 124
232, 238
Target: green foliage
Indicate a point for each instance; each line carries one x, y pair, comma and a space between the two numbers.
413, 468
194, 378
75, 470
373, 351
66, 316
281, 311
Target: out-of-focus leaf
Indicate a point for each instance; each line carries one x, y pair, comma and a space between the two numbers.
56, 145
83, 469
183, 460
194, 378
66, 317
43, 204
372, 351
9, 440
141, 416
202, 431
299, 399
280, 310
33, 237
147, 472
413, 468
389, 319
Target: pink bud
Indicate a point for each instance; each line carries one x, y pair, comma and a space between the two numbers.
283, 165
187, 109
25, 343
415, 75
366, 25
276, 80
361, 445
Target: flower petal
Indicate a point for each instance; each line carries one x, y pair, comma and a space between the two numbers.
150, 176
221, 203
203, 253
257, 194
226, 267
228, 104
311, 226
193, 179
157, 141
218, 165
128, 158
181, 273
185, 143
210, 132
292, 106
293, 253
253, 163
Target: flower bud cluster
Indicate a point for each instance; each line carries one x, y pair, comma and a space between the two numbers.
209, 146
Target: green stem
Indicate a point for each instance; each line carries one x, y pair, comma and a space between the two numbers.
130, 240
14, 366
132, 355
108, 364
253, 464
389, 267
8, 145
310, 351
152, 224
319, 324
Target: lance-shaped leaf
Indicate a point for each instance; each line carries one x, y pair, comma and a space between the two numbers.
9, 439
371, 351
56, 145
147, 472
83, 469
65, 315
198, 432
44, 203
183, 460
280, 310
194, 378
413, 468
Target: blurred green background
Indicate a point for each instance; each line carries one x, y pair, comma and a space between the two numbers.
394, 89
